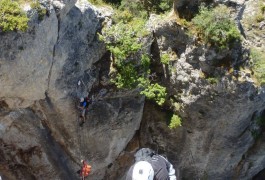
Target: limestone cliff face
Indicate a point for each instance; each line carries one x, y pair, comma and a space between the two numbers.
39, 72
40, 137
217, 138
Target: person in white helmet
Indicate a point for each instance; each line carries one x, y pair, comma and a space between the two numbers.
150, 166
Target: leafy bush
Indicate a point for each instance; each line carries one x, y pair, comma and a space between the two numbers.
134, 7
12, 17
97, 2
165, 59
155, 92
145, 62
123, 41
41, 11
126, 76
258, 58
214, 26
260, 13
175, 122
212, 80
123, 16
158, 6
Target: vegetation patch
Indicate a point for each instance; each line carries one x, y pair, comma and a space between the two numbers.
12, 16
137, 7
260, 13
40, 10
258, 61
175, 122
98, 2
165, 59
130, 63
212, 80
155, 92
215, 27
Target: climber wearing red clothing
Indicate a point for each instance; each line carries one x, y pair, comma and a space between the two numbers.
85, 170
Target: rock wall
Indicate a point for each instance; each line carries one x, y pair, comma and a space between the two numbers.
219, 137
39, 72
40, 69
216, 140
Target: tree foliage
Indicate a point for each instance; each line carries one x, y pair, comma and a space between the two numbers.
123, 41
12, 17
40, 10
214, 26
138, 7
155, 92
175, 122
165, 59
130, 62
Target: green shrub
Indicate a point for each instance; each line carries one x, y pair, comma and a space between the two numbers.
158, 6
12, 17
145, 62
165, 5
212, 80
214, 26
123, 16
258, 58
134, 7
126, 76
175, 122
130, 64
122, 40
155, 92
41, 11
96, 2
165, 59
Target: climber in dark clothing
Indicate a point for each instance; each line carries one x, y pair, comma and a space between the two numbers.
150, 166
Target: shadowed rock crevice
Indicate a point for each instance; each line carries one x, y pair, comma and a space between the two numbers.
53, 52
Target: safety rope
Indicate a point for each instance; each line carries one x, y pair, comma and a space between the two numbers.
79, 137
78, 128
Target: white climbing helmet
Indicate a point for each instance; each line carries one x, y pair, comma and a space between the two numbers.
82, 99
143, 170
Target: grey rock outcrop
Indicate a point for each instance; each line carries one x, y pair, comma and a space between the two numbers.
40, 69
218, 136
216, 140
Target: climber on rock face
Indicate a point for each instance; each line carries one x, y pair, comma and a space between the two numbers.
85, 170
83, 105
150, 166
